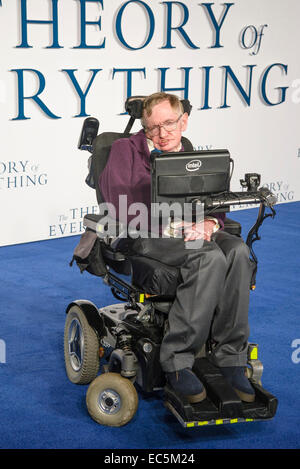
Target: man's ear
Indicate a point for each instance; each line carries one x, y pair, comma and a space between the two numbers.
184, 121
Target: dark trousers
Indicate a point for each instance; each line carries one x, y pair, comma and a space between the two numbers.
211, 301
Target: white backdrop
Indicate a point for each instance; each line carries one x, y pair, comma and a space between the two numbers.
62, 60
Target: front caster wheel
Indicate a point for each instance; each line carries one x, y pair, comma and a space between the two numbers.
111, 400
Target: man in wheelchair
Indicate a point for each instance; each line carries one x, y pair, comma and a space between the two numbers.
213, 294
205, 286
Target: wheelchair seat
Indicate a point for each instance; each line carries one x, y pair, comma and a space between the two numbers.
155, 279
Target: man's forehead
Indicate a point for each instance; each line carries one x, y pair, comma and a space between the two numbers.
161, 112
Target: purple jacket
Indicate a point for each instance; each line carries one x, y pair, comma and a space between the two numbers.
127, 172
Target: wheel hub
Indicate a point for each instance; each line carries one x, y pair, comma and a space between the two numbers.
109, 401
76, 345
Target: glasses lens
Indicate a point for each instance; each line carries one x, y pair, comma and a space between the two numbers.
169, 126
154, 130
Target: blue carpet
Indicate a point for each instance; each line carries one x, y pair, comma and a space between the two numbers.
40, 408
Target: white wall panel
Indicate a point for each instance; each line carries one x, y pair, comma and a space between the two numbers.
42, 189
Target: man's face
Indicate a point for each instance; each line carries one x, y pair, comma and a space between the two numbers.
164, 114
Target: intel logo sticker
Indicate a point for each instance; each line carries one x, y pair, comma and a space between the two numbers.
193, 165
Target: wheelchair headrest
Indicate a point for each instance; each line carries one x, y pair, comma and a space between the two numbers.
134, 106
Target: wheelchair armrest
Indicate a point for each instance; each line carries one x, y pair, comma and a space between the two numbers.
90, 221
110, 253
106, 228
109, 243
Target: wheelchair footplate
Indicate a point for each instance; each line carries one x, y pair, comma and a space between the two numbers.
222, 405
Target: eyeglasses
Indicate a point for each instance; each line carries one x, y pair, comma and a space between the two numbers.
168, 126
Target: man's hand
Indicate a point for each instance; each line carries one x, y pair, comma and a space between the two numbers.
192, 231
201, 230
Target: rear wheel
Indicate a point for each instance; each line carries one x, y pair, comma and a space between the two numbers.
112, 400
81, 348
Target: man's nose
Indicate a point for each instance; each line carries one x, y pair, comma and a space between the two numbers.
162, 131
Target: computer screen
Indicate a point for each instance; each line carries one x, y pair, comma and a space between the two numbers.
189, 176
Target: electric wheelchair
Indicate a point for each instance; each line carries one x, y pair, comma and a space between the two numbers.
124, 338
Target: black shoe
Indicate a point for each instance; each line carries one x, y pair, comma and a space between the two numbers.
236, 376
186, 382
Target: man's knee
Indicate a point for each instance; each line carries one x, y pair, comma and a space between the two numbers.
232, 245
209, 256
240, 249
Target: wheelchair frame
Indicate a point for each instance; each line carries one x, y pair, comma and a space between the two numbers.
129, 335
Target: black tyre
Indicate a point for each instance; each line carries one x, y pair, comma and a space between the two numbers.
112, 400
81, 348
